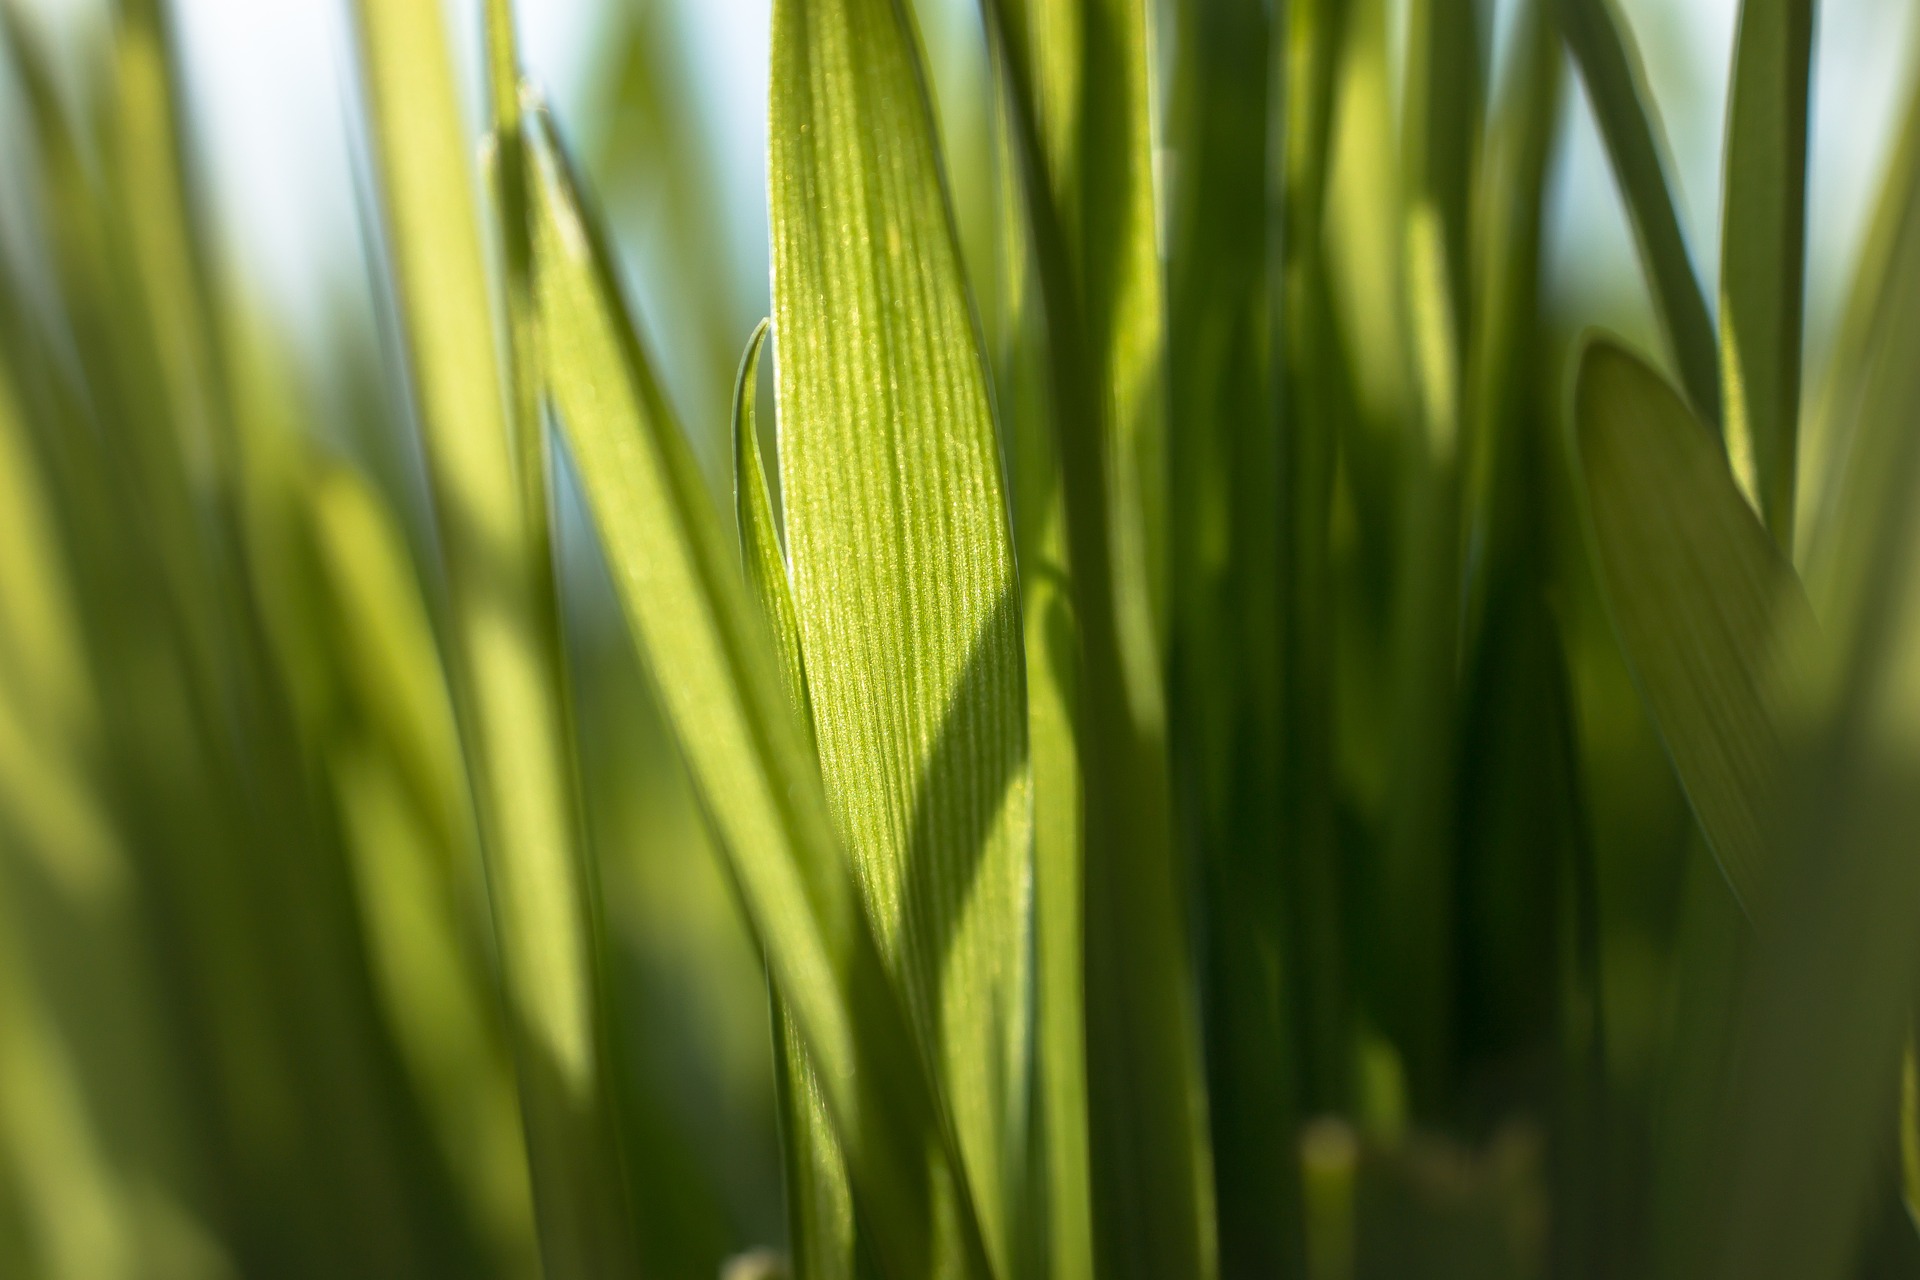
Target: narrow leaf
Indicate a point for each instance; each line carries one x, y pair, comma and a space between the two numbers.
1763, 253
1700, 598
902, 555
1609, 62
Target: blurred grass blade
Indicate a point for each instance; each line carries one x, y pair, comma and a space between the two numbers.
508, 681
1832, 436
1828, 1002
1081, 157
407, 826
1609, 62
1763, 253
1702, 602
904, 586
680, 587
820, 1221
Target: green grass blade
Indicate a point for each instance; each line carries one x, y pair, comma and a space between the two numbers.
819, 1199
1062, 1200
1828, 996
904, 586
1153, 1193
679, 584
508, 680
1763, 254
1609, 62
1702, 602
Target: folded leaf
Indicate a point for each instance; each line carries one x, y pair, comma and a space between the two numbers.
1702, 601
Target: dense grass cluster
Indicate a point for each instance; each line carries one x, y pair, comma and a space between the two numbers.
1211, 733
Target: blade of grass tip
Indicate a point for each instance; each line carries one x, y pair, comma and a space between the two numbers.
679, 584
821, 1226
1703, 604
1763, 241
509, 685
1609, 62
902, 553
1153, 1192
1062, 1203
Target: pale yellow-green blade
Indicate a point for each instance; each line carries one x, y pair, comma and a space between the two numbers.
904, 585
506, 658
1763, 239
680, 587
1705, 607
820, 1223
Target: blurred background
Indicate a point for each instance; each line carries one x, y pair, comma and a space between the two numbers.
666, 100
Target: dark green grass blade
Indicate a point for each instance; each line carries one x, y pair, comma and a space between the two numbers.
1763, 254
899, 538
1225, 674
679, 584
819, 1199
1702, 602
1153, 1193
1609, 63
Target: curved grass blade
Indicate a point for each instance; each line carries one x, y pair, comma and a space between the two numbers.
1763, 254
820, 1220
680, 586
1609, 62
1152, 1184
509, 686
904, 586
1702, 602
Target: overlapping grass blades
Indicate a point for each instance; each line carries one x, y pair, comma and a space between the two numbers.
680, 587
1074, 83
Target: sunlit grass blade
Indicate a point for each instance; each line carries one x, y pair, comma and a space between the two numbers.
820, 1220
904, 588
1705, 606
679, 584
1763, 254
1153, 1191
508, 682
1609, 62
